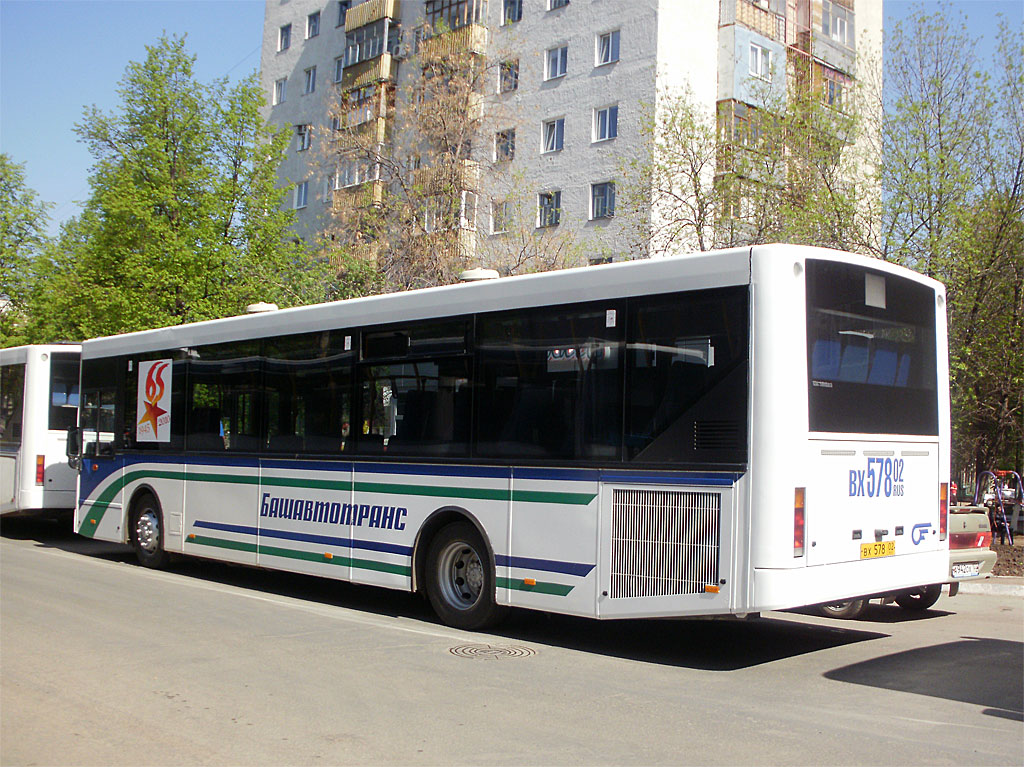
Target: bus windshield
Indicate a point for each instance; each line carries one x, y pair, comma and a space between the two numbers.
870, 352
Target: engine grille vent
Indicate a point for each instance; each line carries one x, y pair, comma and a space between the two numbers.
664, 542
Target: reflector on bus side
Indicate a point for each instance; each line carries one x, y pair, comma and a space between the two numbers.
798, 522
40, 468
943, 510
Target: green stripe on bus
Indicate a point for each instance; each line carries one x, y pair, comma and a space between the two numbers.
308, 556
102, 502
221, 543
516, 584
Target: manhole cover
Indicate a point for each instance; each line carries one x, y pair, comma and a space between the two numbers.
491, 651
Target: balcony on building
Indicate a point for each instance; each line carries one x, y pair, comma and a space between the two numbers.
454, 26
759, 16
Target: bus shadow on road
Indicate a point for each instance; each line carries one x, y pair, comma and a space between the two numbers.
877, 613
983, 672
721, 644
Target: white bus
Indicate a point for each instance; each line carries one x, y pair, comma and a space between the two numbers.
38, 403
723, 433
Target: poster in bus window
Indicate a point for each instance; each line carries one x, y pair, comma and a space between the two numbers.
154, 405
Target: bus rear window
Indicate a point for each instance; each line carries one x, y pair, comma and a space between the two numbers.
63, 391
870, 352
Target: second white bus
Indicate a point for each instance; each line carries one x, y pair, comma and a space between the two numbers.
38, 403
723, 433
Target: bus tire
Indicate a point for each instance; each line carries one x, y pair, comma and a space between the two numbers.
920, 598
460, 578
849, 610
147, 532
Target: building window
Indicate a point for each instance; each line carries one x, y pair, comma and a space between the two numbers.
760, 62
304, 135
355, 171
832, 86
549, 208
500, 216
553, 4
453, 14
602, 200
511, 11
339, 68
313, 25
837, 23
284, 37
557, 63
368, 42
554, 135
310, 80
301, 194
358, 106
508, 78
343, 8
505, 145
279, 90
606, 123
608, 48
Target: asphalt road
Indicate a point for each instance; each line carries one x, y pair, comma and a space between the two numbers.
105, 662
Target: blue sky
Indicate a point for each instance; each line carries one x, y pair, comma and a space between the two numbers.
58, 57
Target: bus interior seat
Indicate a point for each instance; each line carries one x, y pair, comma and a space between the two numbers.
884, 362
853, 366
825, 357
903, 374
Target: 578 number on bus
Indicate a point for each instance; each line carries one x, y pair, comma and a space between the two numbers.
883, 477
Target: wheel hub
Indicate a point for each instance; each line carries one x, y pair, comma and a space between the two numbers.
147, 531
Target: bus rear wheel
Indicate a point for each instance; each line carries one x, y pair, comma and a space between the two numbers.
920, 598
850, 609
147, 533
460, 578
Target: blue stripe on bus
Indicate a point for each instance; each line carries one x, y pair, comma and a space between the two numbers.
550, 565
529, 563
716, 479
702, 480
328, 540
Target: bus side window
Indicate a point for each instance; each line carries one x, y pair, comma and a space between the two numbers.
12, 393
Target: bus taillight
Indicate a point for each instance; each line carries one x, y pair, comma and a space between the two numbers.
798, 522
40, 468
943, 510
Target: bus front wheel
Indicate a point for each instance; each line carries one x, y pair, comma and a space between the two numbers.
147, 533
460, 578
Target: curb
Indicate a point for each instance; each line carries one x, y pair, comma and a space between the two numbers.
1001, 585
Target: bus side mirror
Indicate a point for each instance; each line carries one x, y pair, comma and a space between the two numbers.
74, 447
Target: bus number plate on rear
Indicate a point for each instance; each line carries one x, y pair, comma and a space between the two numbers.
877, 549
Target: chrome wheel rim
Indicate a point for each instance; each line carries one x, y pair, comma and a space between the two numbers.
147, 531
460, 575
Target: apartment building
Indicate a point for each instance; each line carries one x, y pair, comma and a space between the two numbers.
572, 82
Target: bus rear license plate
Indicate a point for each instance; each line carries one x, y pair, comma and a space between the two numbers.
966, 569
877, 549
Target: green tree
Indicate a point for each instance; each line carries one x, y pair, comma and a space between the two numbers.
953, 173
22, 233
184, 222
794, 167
414, 185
